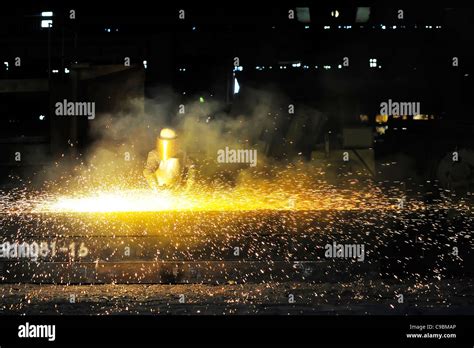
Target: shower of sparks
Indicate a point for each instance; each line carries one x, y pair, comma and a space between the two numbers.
219, 200
296, 191
280, 222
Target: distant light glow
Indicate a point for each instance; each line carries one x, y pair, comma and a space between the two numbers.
236, 86
363, 14
47, 23
303, 14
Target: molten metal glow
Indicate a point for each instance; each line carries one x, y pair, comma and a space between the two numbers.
295, 190
145, 200
120, 201
216, 200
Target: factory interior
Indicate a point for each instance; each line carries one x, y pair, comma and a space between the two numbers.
248, 159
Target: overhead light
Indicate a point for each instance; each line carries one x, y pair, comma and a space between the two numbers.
335, 13
47, 23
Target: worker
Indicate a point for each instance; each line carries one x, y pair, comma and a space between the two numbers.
167, 165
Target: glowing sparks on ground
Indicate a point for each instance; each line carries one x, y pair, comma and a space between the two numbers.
116, 201
298, 188
241, 198
218, 200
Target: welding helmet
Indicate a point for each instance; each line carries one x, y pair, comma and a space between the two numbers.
166, 144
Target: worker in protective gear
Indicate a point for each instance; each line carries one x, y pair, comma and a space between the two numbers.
167, 165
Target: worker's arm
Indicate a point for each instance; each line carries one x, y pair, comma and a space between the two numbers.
152, 163
190, 174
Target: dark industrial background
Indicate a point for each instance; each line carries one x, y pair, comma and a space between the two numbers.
301, 62
83, 59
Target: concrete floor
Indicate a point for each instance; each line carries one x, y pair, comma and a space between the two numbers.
369, 297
